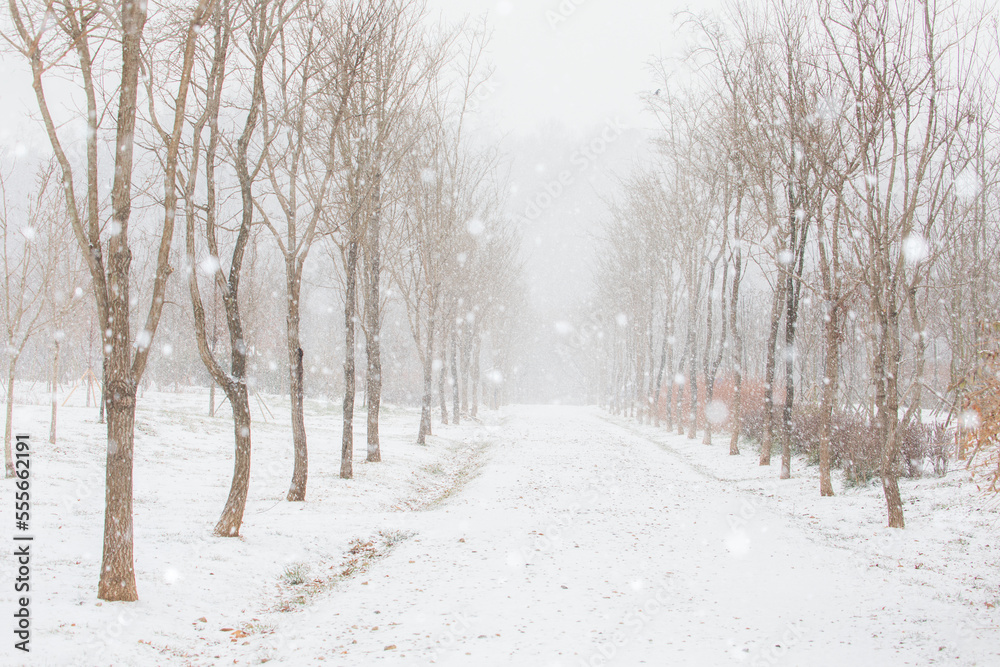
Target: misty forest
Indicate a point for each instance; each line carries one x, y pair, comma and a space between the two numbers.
348, 331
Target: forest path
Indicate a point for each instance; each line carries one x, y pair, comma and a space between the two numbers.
584, 543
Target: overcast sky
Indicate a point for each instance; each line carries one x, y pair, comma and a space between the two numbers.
576, 62
567, 75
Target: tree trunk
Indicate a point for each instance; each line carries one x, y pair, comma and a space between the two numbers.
456, 402
680, 414
465, 361
443, 376
692, 390
789, 354
477, 344
117, 582
891, 445
736, 415
671, 380
231, 521
658, 387
830, 379
712, 365
350, 302
104, 395
296, 390
373, 328
53, 396
8, 456
300, 473
425, 404
642, 404
769, 368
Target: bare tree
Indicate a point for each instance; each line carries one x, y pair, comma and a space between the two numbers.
124, 363
316, 64
26, 282
378, 131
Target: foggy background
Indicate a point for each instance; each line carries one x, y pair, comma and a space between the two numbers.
566, 98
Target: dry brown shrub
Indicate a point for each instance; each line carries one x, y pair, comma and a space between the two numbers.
981, 407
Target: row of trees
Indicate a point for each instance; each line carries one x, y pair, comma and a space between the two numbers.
271, 128
819, 223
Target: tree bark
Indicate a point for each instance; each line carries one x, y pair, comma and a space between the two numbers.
104, 395
736, 417
465, 363
300, 472
117, 580
831, 373
53, 397
443, 376
893, 437
350, 301
671, 381
425, 404
477, 342
9, 423
789, 355
642, 404
692, 384
456, 401
769, 369
712, 366
373, 325
679, 390
658, 387
231, 521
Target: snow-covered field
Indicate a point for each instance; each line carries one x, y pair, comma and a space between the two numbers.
537, 536
182, 475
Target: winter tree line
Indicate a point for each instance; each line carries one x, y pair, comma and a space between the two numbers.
308, 172
809, 258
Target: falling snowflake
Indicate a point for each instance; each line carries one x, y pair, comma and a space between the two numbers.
970, 419
143, 339
716, 412
967, 184
563, 328
915, 248
738, 543
476, 226
210, 265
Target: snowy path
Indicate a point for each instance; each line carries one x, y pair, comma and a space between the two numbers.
582, 542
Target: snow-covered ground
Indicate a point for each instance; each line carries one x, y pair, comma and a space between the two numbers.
183, 467
538, 536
